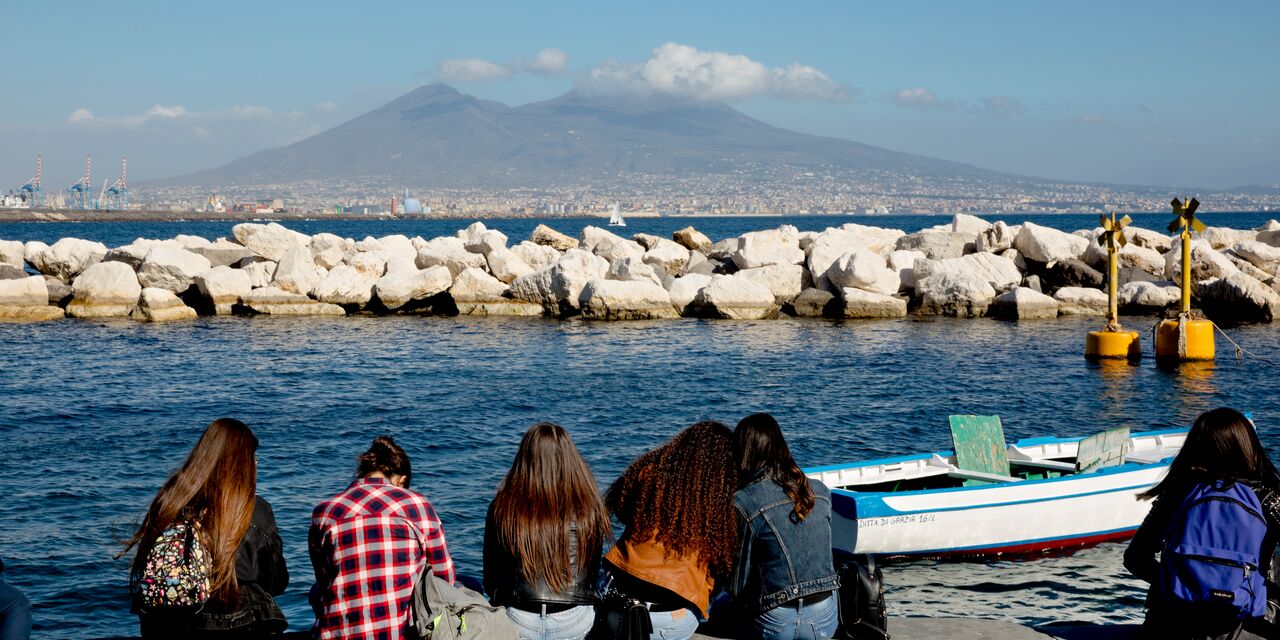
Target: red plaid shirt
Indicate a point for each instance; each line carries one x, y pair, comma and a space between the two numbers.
368, 545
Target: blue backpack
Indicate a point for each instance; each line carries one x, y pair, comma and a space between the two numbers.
1213, 548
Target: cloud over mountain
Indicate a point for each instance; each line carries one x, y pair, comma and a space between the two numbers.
547, 62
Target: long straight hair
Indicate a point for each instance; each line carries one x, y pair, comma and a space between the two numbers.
215, 488
681, 495
759, 446
1221, 445
549, 488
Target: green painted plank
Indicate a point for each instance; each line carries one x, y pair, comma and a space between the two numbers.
1101, 450
980, 446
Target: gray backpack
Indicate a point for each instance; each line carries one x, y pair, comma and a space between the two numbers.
442, 611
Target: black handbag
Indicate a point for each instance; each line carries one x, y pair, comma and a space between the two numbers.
863, 615
620, 617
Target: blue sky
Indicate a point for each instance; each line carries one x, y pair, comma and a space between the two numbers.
1182, 94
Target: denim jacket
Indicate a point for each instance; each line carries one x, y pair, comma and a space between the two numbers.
779, 558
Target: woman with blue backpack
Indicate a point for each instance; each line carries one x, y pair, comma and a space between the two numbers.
1214, 524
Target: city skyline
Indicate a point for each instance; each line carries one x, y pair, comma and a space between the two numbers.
1146, 94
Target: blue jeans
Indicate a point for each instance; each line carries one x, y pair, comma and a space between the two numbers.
570, 624
673, 625
815, 621
15, 613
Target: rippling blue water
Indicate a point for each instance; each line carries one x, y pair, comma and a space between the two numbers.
95, 415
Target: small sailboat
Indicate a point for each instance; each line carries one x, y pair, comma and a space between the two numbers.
615, 217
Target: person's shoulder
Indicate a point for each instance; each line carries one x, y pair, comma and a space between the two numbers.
820, 488
262, 511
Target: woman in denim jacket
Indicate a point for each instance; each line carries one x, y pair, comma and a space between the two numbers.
784, 577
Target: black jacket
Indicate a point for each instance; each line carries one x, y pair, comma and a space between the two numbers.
261, 573
506, 584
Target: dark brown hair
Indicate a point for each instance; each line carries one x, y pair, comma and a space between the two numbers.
548, 488
1221, 445
386, 457
215, 487
681, 495
759, 446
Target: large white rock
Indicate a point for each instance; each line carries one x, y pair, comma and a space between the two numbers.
506, 265
692, 239
31, 251
135, 253
27, 300
625, 300
1043, 244
271, 241
537, 256
632, 270
1141, 296
451, 253
864, 269
559, 287
546, 236
277, 302
903, 263
868, 304
192, 243
996, 238
486, 241
297, 272
1144, 258
698, 263
262, 272
972, 225
998, 271
171, 268
399, 289
963, 295
398, 248
1206, 262
831, 244
327, 249
1147, 238
13, 253
1238, 298
104, 290
667, 255
1023, 304
620, 249
684, 290
938, 245
1223, 238
1260, 255
593, 237
66, 258
1081, 301
346, 285
763, 248
646, 240
815, 303
220, 253
161, 305
369, 263
784, 281
222, 288
1271, 237
475, 292
736, 298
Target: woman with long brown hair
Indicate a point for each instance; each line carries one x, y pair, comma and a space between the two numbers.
213, 499
1220, 485
784, 579
543, 536
676, 504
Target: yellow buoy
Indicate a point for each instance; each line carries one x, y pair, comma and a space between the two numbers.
1112, 345
1184, 339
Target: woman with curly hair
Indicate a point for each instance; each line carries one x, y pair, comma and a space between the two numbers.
676, 504
784, 578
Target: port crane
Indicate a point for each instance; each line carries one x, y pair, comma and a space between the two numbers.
117, 196
32, 192
81, 193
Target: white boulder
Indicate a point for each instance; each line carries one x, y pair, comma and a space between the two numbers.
27, 300
327, 249
1260, 255
692, 239
399, 289
271, 241
996, 238
903, 263
1044, 244
632, 270
369, 263
537, 256
684, 290
1081, 301
593, 237
938, 245
1206, 262
1142, 297
1237, 297
625, 300
477, 293
858, 303
546, 236
278, 302
1223, 238
784, 281
972, 225
451, 253
506, 265
296, 273
763, 248
161, 305
559, 287
104, 290
13, 253
964, 295
222, 288
68, 257
998, 271
815, 303
864, 269
667, 255
171, 268
1023, 304
736, 298
346, 285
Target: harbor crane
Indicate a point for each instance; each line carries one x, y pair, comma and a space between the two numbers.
32, 192
117, 196
80, 194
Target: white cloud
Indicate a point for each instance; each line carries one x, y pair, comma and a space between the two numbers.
998, 105
250, 111
470, 70
161, 111
328, 106
548, 62
687, 72
80, 115
920, 99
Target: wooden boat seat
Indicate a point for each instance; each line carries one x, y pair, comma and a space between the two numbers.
1102, 450
980, 447
972, 478
1019, 457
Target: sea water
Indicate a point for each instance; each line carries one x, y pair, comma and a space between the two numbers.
94, 415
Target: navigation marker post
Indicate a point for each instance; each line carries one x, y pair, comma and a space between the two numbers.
1187, 337
1112, 342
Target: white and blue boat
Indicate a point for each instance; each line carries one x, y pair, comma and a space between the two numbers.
920, 506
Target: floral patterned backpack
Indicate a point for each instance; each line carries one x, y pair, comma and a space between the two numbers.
176, 574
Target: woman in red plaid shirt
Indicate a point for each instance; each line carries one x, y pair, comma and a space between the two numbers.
368, 546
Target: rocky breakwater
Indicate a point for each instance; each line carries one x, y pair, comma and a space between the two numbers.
968, 268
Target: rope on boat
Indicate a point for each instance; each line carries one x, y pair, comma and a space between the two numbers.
1240, 351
